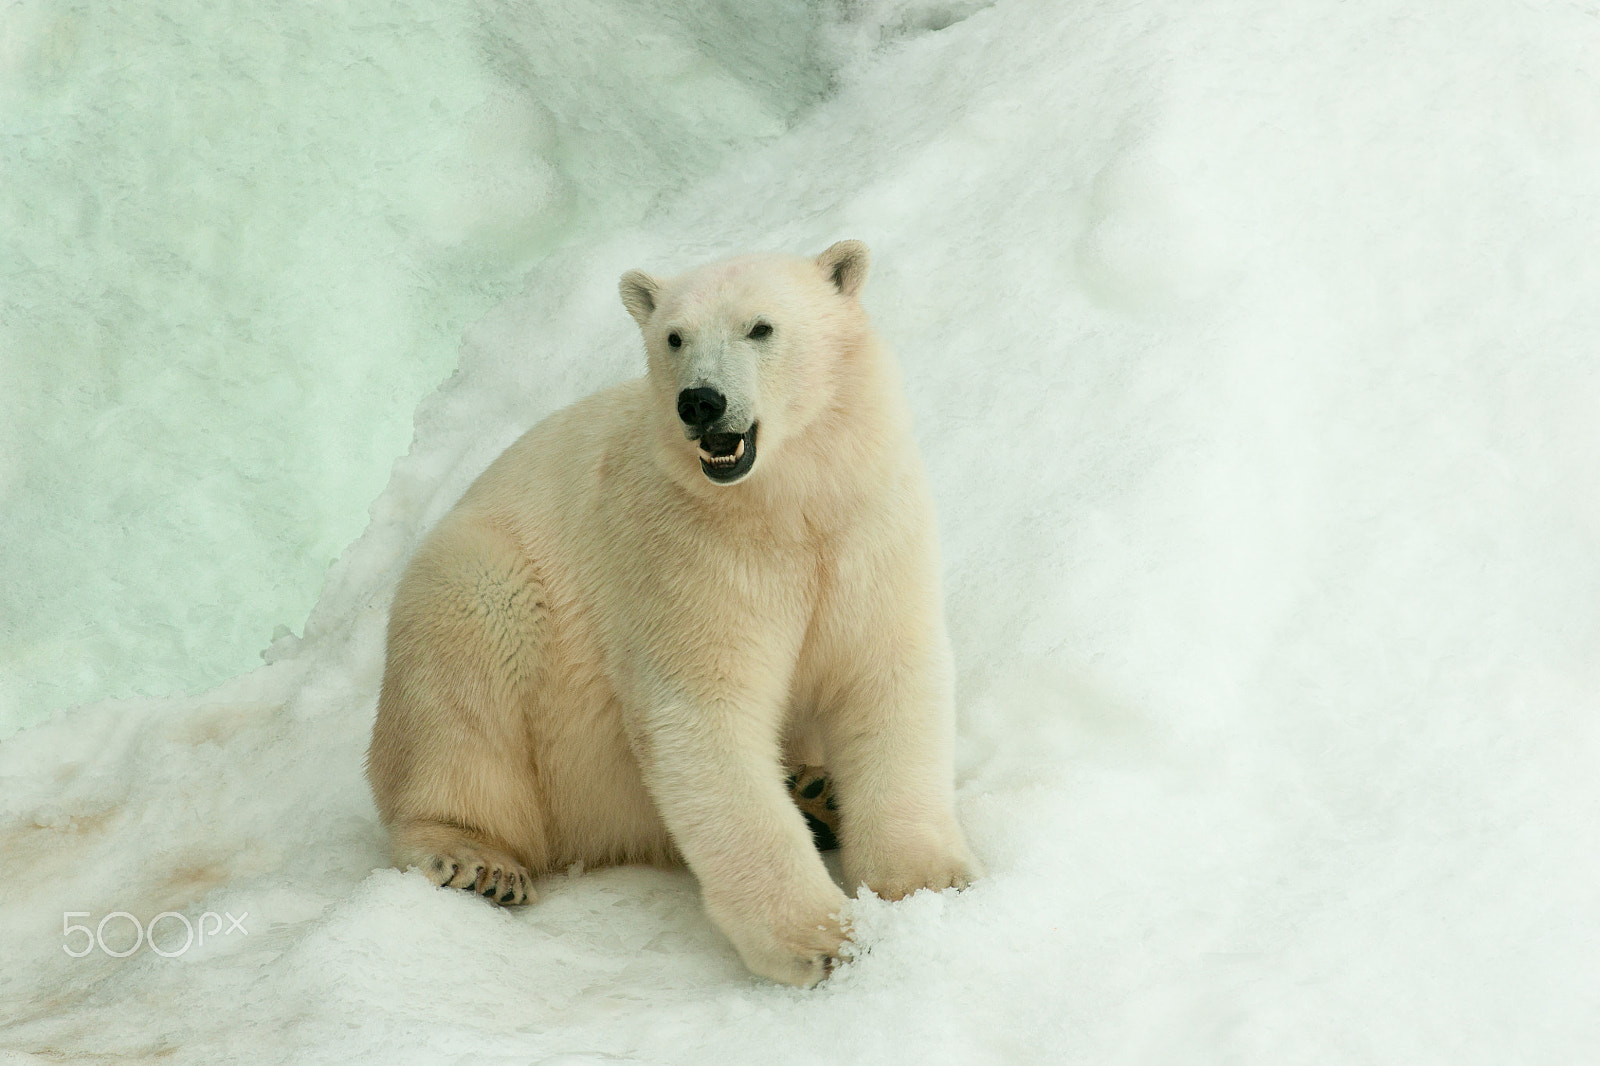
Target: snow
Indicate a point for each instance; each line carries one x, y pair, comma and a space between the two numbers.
1251, 347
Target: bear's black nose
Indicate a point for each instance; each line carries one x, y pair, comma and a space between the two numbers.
700, 407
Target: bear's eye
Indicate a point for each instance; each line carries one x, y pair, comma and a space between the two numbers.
759, 330
674, 340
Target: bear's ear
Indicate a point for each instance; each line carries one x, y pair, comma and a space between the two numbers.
845, 266
639, 291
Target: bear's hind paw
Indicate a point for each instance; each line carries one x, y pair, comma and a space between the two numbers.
495, 878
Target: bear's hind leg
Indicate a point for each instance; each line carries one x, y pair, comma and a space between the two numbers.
452, 764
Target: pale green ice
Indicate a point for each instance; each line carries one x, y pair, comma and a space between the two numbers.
240, 242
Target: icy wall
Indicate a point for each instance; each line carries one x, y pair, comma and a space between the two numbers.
241, 242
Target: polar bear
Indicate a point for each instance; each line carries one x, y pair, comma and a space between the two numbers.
660, 597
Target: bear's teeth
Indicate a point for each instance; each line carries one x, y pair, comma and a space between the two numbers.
722, 460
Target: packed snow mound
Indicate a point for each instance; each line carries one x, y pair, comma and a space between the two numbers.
1251, 347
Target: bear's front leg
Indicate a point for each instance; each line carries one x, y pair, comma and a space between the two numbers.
889, 752
713, 769
888, 722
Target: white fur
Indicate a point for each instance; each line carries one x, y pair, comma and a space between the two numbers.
600, 655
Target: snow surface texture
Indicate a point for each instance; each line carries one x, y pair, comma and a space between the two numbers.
1252, 347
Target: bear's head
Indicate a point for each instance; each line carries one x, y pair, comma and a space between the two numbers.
747, 354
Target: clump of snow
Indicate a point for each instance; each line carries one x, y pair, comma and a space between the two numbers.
1252, 353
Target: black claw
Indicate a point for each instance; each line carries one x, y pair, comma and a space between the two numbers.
508, 897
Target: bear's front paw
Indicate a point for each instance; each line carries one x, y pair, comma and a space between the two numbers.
897, 876
955, 874
805, 956
489, 873
798, 953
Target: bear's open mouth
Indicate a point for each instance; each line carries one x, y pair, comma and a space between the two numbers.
727, 457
